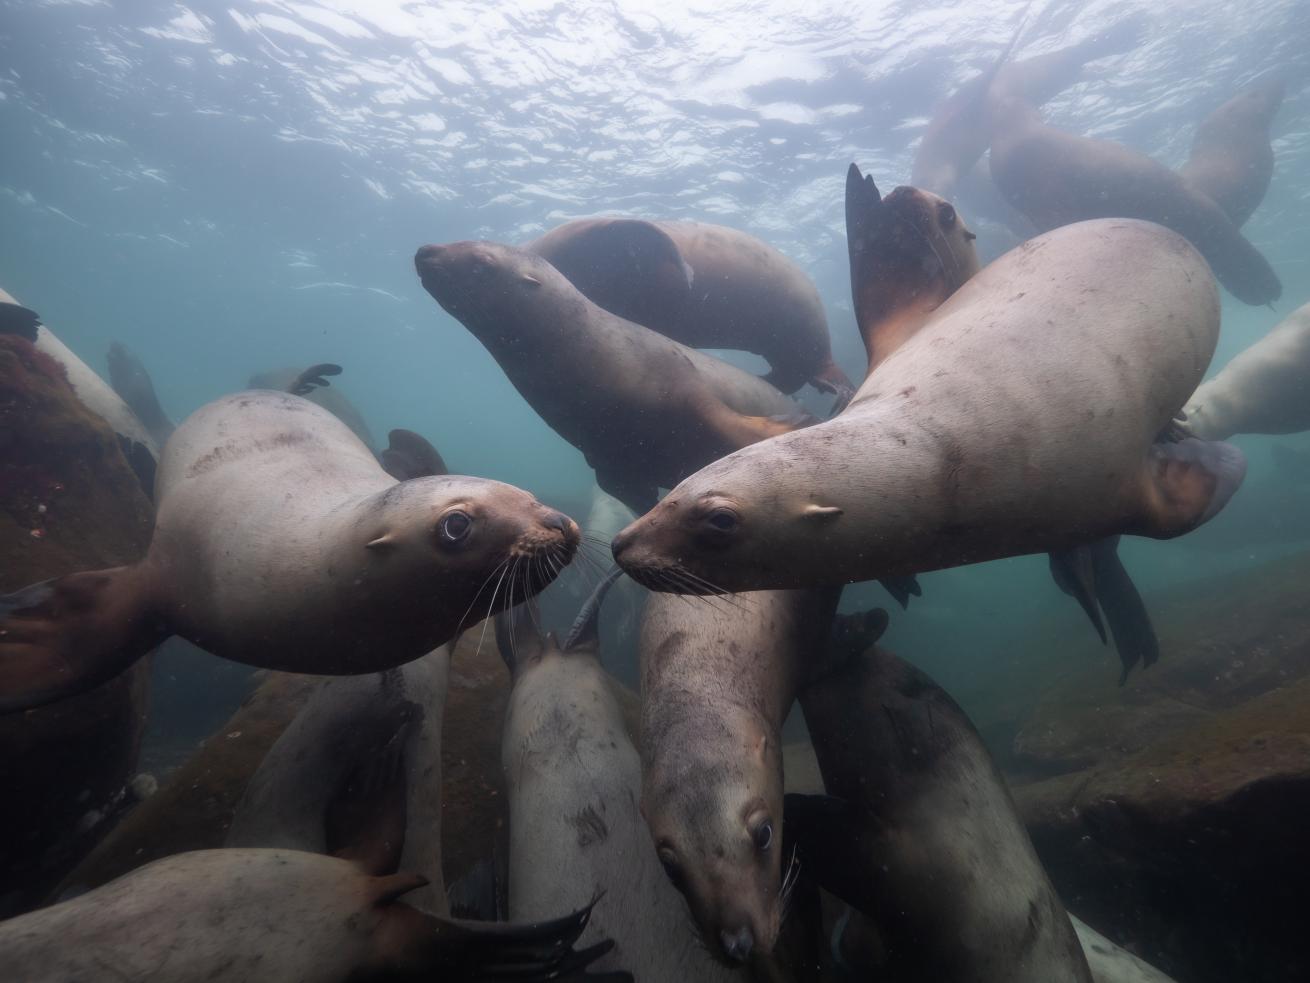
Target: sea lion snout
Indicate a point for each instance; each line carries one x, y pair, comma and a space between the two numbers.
737, 944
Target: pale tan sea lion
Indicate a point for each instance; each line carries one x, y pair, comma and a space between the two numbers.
1057, 178
576, 829
1022, 417
1232, 161
279, 542
1264, 389
706, 286
242, 916
645, 410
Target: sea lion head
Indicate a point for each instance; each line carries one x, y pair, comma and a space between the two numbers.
1258, 101
480, 546
489, 286
716, 820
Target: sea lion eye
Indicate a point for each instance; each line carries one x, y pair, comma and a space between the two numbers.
763, 836
670, 867
722, 519
455, 527
945, 216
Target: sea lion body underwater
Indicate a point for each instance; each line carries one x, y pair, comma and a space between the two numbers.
576, 829
1232, 162
920, 833
279, 542
1057, 178
248, 915
706, 286
1022, 417
645, 410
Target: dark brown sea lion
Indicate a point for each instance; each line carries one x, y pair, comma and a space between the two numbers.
1057, 178
707, 286
645, 410
280, 542
1232, 161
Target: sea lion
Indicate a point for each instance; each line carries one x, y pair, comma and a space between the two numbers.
279, 542
1262, 390
645, 410
237, 916
717, 680
1058, 178
1232, 161
576, 831
706, 286
921, 834
130, 379
1022, 417
1111, 963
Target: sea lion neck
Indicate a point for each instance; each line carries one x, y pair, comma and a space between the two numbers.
895, 315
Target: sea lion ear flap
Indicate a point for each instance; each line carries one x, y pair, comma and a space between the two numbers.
517, 637
1187, 483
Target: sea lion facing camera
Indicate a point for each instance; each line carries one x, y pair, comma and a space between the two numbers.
279, 542
706, 286
646, 411
1057, 178
1232, 162
1022, 417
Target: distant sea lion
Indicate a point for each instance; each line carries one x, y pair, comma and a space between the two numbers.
235, 916
1264, 389
1058, 178
1232, 161
717, 680
921, 834
706, 286
1022, 417
576, 831
130, 379
279, 542
646, 411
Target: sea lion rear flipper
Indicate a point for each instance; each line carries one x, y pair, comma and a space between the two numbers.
1130, 622
18, 320
1073, 573
313, 378
1186, 483
585, 630
409, 455
902, 589
825, 832
65, 636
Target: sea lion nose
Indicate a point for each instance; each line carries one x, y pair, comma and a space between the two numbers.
622, 541
566, 527
428, 256
737, 945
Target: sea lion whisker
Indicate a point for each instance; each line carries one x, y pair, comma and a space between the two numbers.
464, 616
491, 606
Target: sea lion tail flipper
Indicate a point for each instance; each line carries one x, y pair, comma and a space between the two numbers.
409, 455
585, 630
1130, 622
1074, 573
64, 636
18, 320
518, 636
313, 378
902, 589
825, 831
1186, 484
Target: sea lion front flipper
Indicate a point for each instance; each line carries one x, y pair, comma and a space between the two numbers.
313, 378
826, 832
1074, 573
639, 498
129, 378
736, 430
829, 379
1186, 483
65, 636
409, 455
18, 320
1130, 622
902, 589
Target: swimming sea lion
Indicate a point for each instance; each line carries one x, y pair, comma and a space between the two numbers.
646, 411
1022, 417
1232, 162
921, 834
237, 916
717, 680
576, 831
130, 379
279, 542
1264, 389
706, 286
1058, 178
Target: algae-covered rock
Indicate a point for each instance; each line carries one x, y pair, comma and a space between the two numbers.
68, 501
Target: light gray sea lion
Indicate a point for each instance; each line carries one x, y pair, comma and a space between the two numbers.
243, 916
348, 724
576, 829
1264, 389
706, 286
1232, 161
1022, 417
645, 410
279, 542
920, 833
717, 680
1112, 963
1057, 178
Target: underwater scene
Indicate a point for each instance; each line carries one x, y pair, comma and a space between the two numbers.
600, 491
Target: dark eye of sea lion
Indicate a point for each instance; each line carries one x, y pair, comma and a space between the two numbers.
455, 527
763, 836
946, 216
722, 519
670, 866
